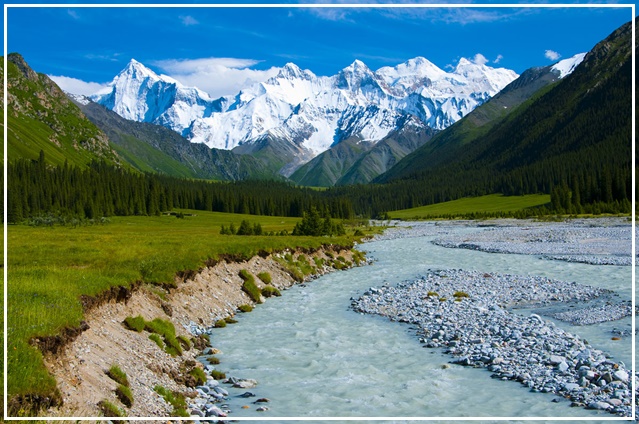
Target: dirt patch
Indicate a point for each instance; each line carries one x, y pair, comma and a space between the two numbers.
196, 302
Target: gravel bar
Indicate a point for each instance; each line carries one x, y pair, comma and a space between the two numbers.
466, 313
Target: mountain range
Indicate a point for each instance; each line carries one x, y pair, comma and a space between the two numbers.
292, 117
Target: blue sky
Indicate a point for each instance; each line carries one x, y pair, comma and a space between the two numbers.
219, 49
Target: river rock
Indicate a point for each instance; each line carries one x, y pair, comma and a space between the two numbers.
245, 383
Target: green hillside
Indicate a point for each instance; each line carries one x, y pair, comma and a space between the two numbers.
42, 118
153, 148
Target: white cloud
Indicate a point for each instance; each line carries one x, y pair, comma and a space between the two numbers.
479, 59
188, 20
76, 86
218, 76
552, 55
498, 58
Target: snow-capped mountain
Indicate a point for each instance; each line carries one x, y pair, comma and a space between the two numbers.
312, 112
566, 66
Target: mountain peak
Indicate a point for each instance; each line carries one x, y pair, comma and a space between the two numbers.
137, 70
566, 66
290, 70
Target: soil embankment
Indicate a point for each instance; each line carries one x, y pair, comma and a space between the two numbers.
198, 301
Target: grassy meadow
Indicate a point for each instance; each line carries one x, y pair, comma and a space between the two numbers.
491, 203
51, 267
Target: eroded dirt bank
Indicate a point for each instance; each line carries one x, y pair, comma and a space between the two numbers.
199, 300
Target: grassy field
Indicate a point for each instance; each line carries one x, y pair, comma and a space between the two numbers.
50, 267
490, 204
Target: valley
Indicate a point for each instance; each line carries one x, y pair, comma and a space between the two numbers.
160, 236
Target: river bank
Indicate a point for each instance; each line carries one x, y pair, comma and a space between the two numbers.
196, 304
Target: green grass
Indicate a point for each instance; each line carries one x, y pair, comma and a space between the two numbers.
265, 277
268, 291
249, 286
110, 410
491, 203
50, 268
175, 399
116, 374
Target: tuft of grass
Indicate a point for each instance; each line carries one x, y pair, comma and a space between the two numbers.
175, 399
213, 360
220, 323
110, 410
157, 339
124, 394
249, 286
135, 323
117, 375
319, 262
230, 320
245, 308
218, 375
266, 277
199, 375
460, 294
268, 291
185, 342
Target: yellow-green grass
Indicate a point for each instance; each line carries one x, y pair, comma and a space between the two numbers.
50, 268
491, 203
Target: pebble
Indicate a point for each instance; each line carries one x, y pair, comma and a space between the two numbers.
486, 334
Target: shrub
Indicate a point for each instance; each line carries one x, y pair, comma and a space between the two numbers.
269, 291
110, 410
117, 375
245, 308
218, 375
157, 339
265, 276
135, 323
220, 323
213, 360
460, 294
199, 375
249, 286
124, 394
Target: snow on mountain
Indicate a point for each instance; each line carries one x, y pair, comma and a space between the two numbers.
566, 66
313, 112
139, 94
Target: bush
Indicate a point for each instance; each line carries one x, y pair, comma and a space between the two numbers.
218, 375
124, 394
135, 323
269, 291
220, 323
117, 375
266, 277
245, 308
110, 410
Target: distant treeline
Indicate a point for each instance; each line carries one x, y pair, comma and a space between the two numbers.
34, 189
102, 190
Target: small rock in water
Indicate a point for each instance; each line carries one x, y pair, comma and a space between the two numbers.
247, 395
262, 400
262, 408
245, 383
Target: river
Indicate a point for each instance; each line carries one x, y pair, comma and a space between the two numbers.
315, 357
